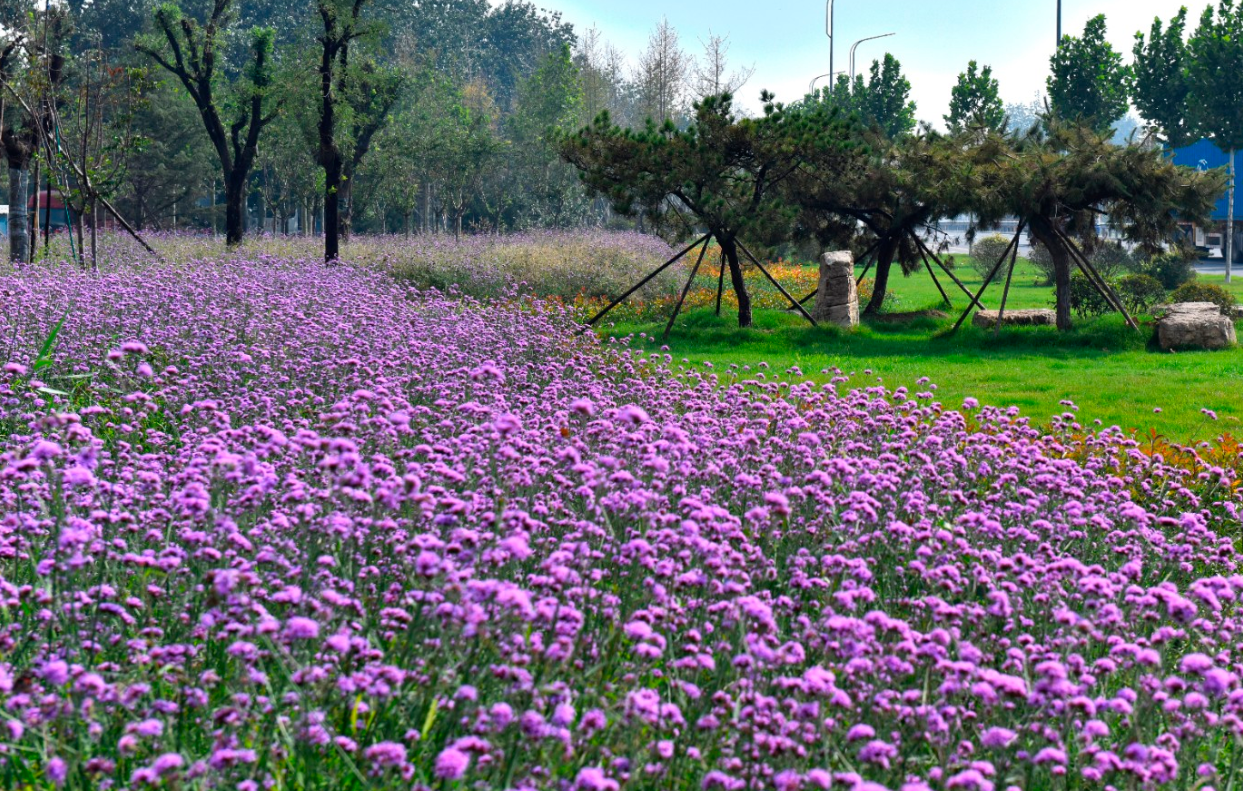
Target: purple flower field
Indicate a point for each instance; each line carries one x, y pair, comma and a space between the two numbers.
274, 525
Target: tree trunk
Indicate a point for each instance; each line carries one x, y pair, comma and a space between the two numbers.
425, 217
94, 236
730, 249
880, 285
1063, 262
234, 208
80, 227
329, 155
332, 210
19, 220
46, 218
347, 206
36, 219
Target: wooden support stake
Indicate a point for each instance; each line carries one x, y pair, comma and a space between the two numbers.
720, 283
1096, 279
773, 280
685, 290
1005, 294
866, 268
928, 251
975, 301
944, 297
701, 240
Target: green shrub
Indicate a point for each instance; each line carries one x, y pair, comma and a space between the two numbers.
1172, 268
1204, 292
984, 254
1139, 293
1040, 258
1085, 300
1111, 259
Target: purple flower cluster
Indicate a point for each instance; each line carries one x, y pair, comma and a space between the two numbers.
280, 525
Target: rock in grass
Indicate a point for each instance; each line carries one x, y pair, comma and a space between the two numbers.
1028, 317
837, 300
1195, 325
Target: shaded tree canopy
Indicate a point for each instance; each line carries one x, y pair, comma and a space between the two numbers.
1061, 179
721, 173
881, 196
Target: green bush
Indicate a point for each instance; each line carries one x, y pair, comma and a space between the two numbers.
1040, 258
1171, 269
1204, 292
1085, 300
985, 252
1111, 259
1139, 293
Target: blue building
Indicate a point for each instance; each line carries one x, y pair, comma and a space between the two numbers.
1205, 155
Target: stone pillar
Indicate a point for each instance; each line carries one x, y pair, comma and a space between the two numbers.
837, 301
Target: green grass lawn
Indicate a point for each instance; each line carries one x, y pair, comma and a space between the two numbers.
1112, 373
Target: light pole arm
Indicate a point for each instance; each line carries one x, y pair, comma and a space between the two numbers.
852, 52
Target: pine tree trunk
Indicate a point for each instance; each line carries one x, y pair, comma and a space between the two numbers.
1063, 263
880, 284
730, 249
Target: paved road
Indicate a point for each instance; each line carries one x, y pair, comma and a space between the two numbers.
1218, 267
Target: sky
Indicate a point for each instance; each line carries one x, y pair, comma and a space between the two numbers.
785, 41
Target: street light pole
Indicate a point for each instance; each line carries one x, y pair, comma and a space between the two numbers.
852, 53
1059, 25
828, 31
